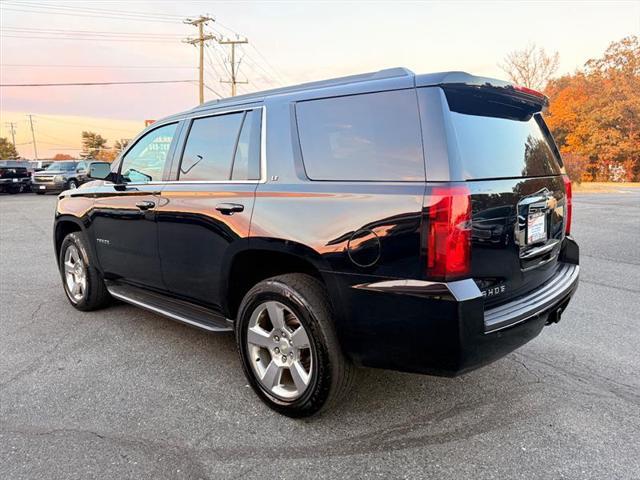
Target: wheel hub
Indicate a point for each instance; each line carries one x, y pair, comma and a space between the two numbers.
283, 352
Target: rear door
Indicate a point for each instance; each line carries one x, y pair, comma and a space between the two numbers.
205, 212
499, 145
124, 214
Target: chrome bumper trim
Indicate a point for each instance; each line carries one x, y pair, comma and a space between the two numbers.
562, 285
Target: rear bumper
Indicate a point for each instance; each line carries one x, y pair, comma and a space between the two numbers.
443, 328
549, 297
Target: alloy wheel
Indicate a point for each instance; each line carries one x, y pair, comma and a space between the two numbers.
75, 273
279, 351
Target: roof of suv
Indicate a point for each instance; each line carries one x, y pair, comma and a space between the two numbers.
424, 80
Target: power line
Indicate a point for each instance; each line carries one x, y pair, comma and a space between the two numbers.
90, 32
212, 90
278, 73
96, 39
102, 16
267, 76
215, 74
274, 72
221, 60
82, 124
78, 11
30, 65
228, 28
95, 10
72, 84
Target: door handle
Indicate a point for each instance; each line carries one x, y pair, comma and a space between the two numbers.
229, 208
145, 205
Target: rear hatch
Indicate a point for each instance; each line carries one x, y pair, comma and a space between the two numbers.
507, 158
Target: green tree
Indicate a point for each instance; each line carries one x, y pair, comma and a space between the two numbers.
92, 144
8, 150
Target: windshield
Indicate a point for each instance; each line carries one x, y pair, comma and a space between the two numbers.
62, 166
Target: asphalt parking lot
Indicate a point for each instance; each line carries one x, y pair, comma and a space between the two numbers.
124, 393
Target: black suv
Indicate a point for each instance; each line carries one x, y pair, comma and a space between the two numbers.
419, 223
14, 177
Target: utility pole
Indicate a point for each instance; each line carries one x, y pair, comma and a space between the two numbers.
33, 137
12, 129
202, 38
234, 68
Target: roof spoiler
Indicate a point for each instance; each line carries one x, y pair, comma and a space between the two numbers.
464, 80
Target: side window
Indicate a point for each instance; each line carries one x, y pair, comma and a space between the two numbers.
145, 161
82, 167
368, 137
246, 162
208, 154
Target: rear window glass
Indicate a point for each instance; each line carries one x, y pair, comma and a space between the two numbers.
492, 147
369, 137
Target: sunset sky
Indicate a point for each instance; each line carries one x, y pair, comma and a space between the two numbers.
290, 42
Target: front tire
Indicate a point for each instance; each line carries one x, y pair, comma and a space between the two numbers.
72, 185
82, 283
288, 346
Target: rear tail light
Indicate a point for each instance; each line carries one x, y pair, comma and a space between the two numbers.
449, 234
568, 204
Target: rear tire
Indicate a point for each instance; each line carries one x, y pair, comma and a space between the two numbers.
326, 375
82, 283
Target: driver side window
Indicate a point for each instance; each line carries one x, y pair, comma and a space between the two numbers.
145, 161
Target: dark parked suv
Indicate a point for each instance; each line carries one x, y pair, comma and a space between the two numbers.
14, 178
58, 176
419, 223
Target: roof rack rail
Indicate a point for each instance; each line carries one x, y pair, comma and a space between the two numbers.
362, 77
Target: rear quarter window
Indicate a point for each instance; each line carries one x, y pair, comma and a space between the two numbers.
368, 137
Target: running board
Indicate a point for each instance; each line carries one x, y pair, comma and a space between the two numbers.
179, 310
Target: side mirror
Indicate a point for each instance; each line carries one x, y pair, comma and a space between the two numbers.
100, 171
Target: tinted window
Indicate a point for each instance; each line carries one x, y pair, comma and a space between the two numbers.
246, 164
62, 166
492, 147
374, 136
208, 154
145, 161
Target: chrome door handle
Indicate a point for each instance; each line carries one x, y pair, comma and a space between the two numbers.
229, 208
145, 205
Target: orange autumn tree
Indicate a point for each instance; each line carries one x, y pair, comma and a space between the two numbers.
594, 114
62, 156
